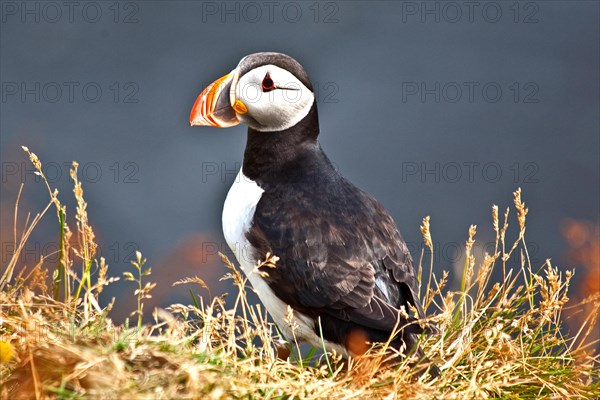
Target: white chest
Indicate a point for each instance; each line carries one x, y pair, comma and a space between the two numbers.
238, 212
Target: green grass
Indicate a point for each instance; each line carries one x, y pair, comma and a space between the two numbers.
498, 339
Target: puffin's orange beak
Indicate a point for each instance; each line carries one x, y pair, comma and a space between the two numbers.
214, 105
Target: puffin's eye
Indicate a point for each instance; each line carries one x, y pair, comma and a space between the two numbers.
267, 83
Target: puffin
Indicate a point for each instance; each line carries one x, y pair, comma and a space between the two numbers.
343, 266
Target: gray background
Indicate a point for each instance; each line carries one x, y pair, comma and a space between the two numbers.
154, 183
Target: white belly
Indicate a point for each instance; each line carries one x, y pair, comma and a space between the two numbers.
238, 213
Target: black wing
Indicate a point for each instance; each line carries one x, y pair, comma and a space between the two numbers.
341, 254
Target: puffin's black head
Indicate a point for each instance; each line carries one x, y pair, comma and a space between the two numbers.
267, 91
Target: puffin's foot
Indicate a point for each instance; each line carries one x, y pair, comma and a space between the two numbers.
283, 350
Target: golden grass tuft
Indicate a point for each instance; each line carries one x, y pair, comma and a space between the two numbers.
498, 339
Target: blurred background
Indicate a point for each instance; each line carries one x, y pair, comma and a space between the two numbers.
436, 108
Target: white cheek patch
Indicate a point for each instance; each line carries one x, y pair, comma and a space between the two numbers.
278, 109
250, 93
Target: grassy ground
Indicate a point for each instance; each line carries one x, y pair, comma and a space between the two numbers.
498, 339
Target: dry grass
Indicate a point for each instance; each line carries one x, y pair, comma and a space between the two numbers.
498, 339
